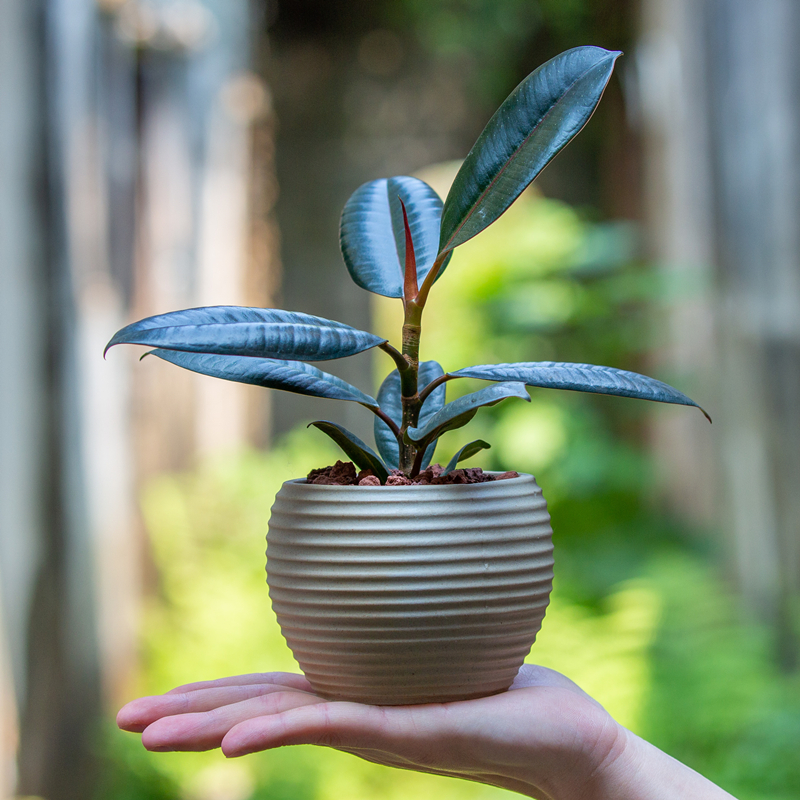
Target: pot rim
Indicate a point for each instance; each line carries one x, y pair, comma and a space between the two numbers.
522, 477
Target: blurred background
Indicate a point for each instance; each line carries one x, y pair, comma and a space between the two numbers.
163, 154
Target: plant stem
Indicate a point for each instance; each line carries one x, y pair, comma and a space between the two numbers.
411, 455
412, 330
422, 297
396, 355
415, 469
388, 420
434, 384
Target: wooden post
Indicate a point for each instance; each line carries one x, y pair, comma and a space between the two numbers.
721, 80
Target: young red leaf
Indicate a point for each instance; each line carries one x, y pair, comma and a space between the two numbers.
410, 287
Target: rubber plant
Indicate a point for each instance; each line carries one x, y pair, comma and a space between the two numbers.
397, 238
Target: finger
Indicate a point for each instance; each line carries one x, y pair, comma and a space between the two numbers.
138, 714
289, 679
205, 730
422, 738
395, 729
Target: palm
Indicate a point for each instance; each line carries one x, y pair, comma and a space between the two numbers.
543, 726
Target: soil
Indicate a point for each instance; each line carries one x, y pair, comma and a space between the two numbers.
343, 473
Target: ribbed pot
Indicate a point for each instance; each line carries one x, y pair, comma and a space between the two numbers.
410, 594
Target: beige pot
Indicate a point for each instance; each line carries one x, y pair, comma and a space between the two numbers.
410, 594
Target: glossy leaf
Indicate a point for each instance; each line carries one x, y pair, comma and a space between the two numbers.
253, 332
372, 234
460, 412
534, 123
467, 451
580, 378
358, 452
389, 398
290, 376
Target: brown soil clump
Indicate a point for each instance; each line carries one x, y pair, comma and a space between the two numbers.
343, 473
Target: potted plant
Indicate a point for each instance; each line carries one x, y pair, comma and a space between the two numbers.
396, 589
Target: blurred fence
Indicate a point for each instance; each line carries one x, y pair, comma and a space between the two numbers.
130, 132
719, 88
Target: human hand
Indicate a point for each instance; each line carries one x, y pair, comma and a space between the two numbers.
544, 738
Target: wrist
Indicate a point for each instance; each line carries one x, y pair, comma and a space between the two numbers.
636, 770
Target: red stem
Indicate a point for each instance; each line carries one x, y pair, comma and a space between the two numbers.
434, 384
415, 470
398, 358
422, 297
389, 421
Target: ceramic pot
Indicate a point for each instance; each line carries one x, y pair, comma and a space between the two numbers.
410, 594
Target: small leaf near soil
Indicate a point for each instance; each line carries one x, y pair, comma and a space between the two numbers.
361, 454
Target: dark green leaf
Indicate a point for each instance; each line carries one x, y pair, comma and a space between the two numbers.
291, 376
358, 452
580, 378
254, 332
536, 121
467, 451
460, 412
372, 234
389, 398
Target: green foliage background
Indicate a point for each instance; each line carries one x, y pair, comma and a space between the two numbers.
640, 616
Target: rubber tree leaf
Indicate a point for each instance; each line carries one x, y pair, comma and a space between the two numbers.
254, 332
534, 123
467, 451
372, 234
358, 452
580, 378
290, 376
460, 412
389, 398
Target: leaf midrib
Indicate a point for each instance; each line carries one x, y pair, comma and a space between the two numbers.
304, 326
